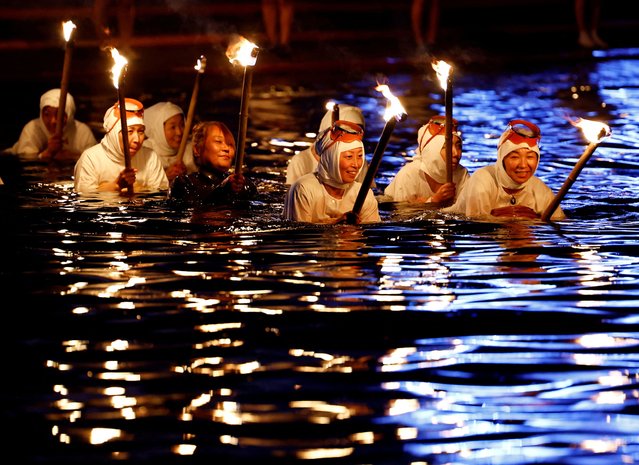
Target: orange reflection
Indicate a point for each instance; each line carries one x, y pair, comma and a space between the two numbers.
519, 261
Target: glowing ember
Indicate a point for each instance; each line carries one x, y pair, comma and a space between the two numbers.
67, 29
395, 109
243, 52
594, 131
443, 70
119, 63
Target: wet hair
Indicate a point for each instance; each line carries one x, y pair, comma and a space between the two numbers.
201, 132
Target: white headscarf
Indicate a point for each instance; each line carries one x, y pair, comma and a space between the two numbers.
113, 127
155, 116
51, 98
504, 147
346, 113
329, 150
429, 152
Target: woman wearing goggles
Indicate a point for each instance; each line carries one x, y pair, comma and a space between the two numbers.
103, 168
305, 161
509, 188
423, 180
329, 194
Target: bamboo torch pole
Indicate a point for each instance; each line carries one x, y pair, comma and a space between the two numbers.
594, 132
199, 67
243, 52
67, 29
118, 72
394, 112
444, 74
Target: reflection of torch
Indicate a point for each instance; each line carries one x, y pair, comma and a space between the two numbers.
594, 132
118, 72
67, 30
394, 112
444, 74
199, 67
245, 53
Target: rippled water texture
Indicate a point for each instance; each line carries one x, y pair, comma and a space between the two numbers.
136, 333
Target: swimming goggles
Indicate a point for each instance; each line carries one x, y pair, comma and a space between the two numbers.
520, 131
435, 126
346, 131
133, 108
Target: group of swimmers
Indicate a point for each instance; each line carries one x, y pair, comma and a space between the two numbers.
324, 180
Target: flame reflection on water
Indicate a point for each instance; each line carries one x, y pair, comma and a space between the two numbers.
145, 333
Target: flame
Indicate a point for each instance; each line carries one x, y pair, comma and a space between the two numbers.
443, 70
330, 105
395, 109
67, 29
594, 131
119, 62
243, 52
201, 64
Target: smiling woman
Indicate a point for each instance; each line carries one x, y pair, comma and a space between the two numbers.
149, 335
329, 193
509, 188
213, 184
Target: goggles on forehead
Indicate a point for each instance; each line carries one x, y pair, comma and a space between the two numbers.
133, 108
346, 131
522, 132
435, 126
438, 123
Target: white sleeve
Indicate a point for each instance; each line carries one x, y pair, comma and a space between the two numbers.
299, 204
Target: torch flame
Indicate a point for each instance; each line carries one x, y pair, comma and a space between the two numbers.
201, 64
67, 29
443, 70
119, 62
395, 108
243, 52
594, 131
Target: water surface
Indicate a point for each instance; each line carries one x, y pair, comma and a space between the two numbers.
136, 333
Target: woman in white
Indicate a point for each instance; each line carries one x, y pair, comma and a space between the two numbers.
164, 127
305, 161
509, 188
39, 138
102, 167
328, 195
423, 179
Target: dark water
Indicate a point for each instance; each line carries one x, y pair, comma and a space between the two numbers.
134, 333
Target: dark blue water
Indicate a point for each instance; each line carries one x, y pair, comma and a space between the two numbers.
136, 333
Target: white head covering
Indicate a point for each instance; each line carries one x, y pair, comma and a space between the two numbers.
329, 151
51, 98
504, 147
155, 116
429, 149
113, 126
429, 152
346, 113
